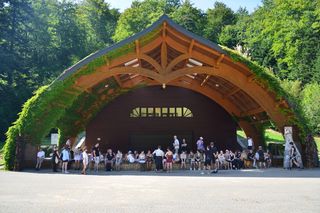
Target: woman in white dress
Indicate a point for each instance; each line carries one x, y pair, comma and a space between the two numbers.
85, 160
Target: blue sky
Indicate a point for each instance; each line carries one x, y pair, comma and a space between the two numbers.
202, 4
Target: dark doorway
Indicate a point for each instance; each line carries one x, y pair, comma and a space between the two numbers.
150, 140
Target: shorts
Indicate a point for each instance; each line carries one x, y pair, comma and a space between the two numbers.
250, 147
65, 161
207, 162
97, 160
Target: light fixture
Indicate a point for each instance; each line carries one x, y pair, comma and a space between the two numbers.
254, 117
106, 86
217, 85
136, 65
189, 65
195, 62
130, 62
163, 86
98, 139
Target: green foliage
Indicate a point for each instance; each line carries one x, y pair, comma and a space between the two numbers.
267, 80
217, 18
190, 18
293, 88
284, 36
143, 13
311, 105
139, 16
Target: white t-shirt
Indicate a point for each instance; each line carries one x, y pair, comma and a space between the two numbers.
250, 142
176, 144
158, 152
41, 154
130, 158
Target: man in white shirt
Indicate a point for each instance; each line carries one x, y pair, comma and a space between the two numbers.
40, 158
250, 143
176, 144
159, 155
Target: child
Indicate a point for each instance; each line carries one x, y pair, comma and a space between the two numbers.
85, 160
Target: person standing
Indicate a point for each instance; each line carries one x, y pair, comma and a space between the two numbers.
250, 143
96, 157
158, 153
213, 151
200, 145
176, 144
65, 157
184, 146
40, 158
85, 160
209, 157
169, 157
55, 159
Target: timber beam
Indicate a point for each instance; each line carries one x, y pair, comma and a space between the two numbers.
252, 112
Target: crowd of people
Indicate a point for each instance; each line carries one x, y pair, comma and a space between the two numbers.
206, 158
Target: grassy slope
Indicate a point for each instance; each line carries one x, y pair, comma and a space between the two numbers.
274, 136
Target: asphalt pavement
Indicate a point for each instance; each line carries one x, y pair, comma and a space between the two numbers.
271, 190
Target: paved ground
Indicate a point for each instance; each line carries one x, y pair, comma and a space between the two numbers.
274, 190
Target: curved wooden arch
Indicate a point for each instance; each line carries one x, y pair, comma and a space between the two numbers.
226, 72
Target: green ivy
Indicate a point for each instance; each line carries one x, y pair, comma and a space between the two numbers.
269, 81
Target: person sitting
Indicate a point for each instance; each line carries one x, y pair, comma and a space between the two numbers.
130, 157
198, 159
267, 158
149, 158
250, 161
192, 159
40, 158
109, 160
260, 158
176, 158
232, 157
228, 159
142, 161
183, 157
222, 160
118, 160
237, 161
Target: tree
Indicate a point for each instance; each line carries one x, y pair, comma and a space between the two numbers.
140, 15
217, 18
189, 17
99, 23
311, 106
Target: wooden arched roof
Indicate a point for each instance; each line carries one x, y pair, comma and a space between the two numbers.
167, 54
